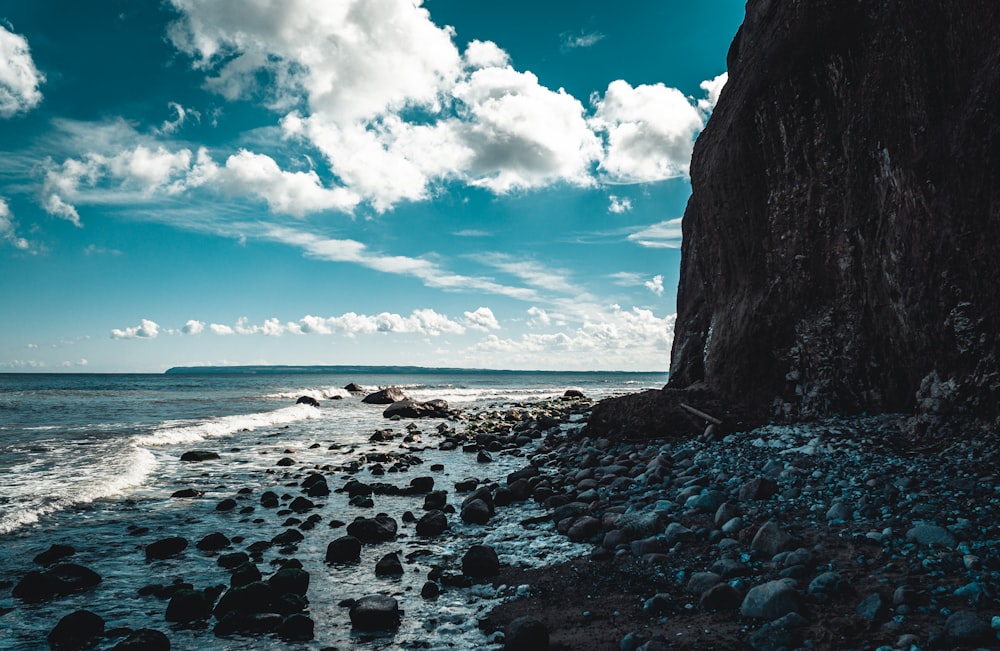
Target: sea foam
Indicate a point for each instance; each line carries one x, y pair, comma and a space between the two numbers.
175, 433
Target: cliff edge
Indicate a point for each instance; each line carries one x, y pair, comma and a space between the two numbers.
841, 249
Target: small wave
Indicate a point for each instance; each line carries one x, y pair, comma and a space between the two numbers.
89, 482
226, 425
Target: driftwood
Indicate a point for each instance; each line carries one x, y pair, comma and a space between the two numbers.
700, 414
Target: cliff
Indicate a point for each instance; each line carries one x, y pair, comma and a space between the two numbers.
841, 248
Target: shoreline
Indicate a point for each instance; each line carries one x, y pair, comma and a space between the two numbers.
860, 544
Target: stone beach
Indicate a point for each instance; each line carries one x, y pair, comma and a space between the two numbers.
831, 535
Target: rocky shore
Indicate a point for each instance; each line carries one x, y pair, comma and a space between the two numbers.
832, 535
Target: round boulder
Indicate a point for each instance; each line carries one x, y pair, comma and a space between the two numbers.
307, 400
379, 529
165, 548
375, 613
78, 630
480, 562
384, 397
346, 549
145, 639
526, 634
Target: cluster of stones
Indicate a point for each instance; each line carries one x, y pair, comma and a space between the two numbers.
252, 604
779, 524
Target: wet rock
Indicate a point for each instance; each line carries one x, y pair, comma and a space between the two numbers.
430, 590
301, 505
289, 580
389, 565
288, 537
165, 548
54, 554
284, 462
770, 539
422, 485
250, 624
269, 500
244, 574
407, 408
484, 457
827, 584
701, 582
475, 512
256, 597
384, 397
771, 600
932, 536
480, 562
640, 525
187, 493
375, 613
296, 628
227, 504
188, 606
37, 586
346, 549
526, 634
432, 524
233, 560
307, 400
213, 542
144, 639
379, 529
354, 388
78, 630
199, 455
315, 485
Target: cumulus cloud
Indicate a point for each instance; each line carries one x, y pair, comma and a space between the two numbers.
538, 316
713, 88
664, 235
19, 78
193, 327
8, 228
634, 338
219, 329
649, 132
482, 319
655, 285
145, 330
619, 205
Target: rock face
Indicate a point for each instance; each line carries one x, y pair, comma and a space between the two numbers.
840, 245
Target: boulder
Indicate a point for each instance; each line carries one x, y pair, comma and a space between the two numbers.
354, 388
770, 539
375, 613
54, 554
384, 397
315, 485
188, 606
296, 628
346, 549
432, 524
389, 565
422, 485
145, 639
475, 512
199, 455
289, 580
244, 574
931, 536
165, 548
379, 529
771, 600
37, 586
526, 633
213, 542
480, 562
255, 597
81, 629
307, 400
407, 408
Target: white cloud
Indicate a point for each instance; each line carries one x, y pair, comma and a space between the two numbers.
482, 319
8, 227
219, 329
655, 285
619, 205
193, 327
713, 88
169, 127
664, 235
582, 40
145, 330
485, 54
649, 132
19, 78
633, 338
538, 316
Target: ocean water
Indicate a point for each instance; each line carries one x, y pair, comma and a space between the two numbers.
87, 459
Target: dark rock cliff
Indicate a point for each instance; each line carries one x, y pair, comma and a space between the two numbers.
841, 248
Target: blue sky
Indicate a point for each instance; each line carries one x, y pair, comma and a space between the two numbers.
445, 183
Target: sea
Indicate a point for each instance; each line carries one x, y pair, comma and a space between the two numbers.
92, 460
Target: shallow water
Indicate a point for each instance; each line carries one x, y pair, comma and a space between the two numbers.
85, 458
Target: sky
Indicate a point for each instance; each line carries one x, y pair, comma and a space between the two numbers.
441, 183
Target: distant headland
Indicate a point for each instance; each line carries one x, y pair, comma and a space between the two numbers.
369, 370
